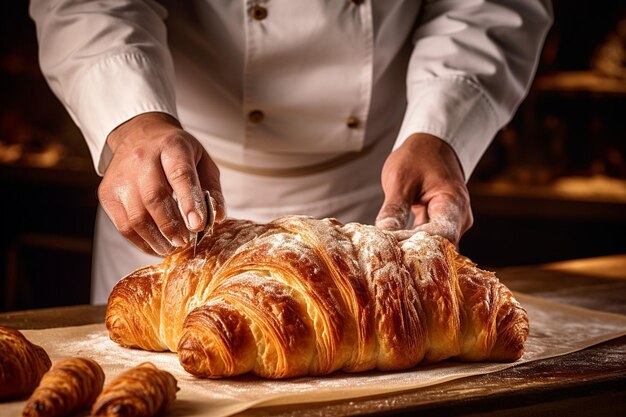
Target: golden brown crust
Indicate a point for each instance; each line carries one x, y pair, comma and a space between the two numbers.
135, 307
22, 364
428, 260
137, 303
300, 296
227, 349
70, 385
142, 391
496, 324
399, 333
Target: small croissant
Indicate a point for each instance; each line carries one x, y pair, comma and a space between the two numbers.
22, 364
142, 391
70, 385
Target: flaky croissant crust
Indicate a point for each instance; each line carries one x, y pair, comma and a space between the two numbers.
22, 364
70, 385
141, 391
301, 296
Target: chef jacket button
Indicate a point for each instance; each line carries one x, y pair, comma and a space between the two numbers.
256, 116
258, 12
352, 122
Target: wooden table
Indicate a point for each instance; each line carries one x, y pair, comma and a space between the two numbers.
591, 382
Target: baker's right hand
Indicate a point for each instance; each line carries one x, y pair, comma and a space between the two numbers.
153, 157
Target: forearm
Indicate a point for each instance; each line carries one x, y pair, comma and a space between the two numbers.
107, 61
471, 66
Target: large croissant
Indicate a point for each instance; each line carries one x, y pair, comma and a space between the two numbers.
300, 296
22, 364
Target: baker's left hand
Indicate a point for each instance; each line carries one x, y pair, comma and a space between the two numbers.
424, 176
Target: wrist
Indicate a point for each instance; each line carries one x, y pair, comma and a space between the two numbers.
143, 123
434, 148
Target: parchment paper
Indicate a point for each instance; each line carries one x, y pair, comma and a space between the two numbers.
556, 329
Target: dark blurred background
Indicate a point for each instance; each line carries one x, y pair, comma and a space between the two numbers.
552, 186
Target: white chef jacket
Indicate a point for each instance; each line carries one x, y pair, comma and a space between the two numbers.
298, 101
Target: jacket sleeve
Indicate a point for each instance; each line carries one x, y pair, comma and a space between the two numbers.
107, 61
471, 65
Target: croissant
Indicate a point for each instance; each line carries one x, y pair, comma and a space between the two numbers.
301, 296
69, 386
142, 391
22, 364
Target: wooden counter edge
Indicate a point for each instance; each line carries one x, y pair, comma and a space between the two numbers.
54, 317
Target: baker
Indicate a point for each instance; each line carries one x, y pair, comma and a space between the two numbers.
374, 111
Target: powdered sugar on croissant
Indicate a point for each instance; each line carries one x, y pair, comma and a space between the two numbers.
301, 296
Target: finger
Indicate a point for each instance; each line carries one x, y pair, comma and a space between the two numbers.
157, 199
400, 187
421, 217
215, 190
143, 224
394, 214
117, 214
180, 171
420, 212
447, 217
401, 235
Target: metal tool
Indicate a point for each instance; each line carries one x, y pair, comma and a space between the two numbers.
208, 229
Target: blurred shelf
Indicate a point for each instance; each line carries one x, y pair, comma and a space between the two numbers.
586, 82
518, 224
80, 178
573, 198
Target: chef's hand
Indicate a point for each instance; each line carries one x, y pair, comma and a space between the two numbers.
423, 176
152, 158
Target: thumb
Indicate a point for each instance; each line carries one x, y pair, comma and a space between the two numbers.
209, 176
449, 216
394, 213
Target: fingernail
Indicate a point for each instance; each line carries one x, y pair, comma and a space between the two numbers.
160, 250
194, 220
178, 242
